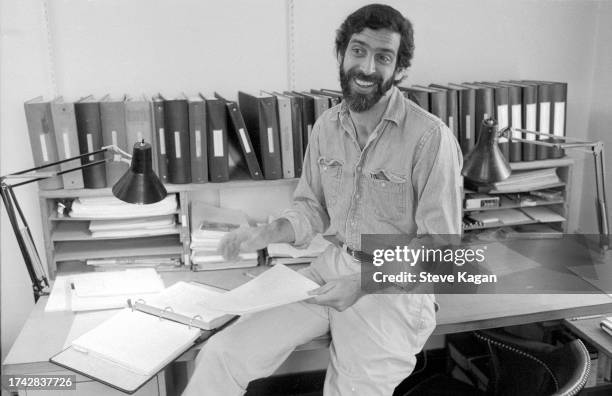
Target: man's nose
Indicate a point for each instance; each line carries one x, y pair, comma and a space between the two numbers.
368, 66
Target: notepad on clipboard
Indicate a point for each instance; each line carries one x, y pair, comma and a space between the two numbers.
128, 349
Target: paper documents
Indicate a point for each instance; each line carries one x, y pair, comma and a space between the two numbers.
121, 341
275, 287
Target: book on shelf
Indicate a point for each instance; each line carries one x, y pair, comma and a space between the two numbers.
160, 154
467, 117
306, 105
260, 114
437, 98
66, 137
241, 151
42, 139
112, 120
89, 132
176, 119
138, 123
416, 95
452, 106
502, 114
198, 145
285, 126
217, 138
529, 117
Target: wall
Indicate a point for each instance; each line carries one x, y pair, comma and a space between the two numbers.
142, 47
600, 117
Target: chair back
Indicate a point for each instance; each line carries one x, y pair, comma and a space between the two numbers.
526, 367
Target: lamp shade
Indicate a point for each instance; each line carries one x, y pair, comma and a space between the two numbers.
486, 163
139, 184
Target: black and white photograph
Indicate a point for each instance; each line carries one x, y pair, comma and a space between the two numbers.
305, 198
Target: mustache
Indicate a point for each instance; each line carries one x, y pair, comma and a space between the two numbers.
373, 78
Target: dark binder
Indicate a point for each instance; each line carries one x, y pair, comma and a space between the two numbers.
467, 117
545, 98
529, 97
297, 125
333, 97
261, 118
112, 117
321, 103
198, 140
138, 122
515, 108
159, 138
176, 116
218, 158
484, 104
42, 140
238, 137
89, 130
66, 137
308, 117
452, 108
558, 114
437, 102
502, 114
285, 132
416, 95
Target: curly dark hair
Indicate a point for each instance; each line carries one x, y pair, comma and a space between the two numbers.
378, 16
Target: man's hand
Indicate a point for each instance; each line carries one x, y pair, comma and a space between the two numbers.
250, 239
243, 239
340, 293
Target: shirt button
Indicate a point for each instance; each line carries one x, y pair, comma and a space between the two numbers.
383, 184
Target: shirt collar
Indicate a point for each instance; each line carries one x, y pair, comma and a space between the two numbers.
394, 111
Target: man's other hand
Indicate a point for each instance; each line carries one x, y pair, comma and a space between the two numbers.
243, 239
340, 293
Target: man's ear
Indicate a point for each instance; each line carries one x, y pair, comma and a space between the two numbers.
399, 75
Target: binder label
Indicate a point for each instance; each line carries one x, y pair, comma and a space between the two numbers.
559, 119
114, 138
218, 142
451, 124
530, 120
468, 127
162, 142
66, 140
90, 145
270, 140
177, 144
544, 119
43, 148
502, 121
516, 120
198, 143
245, 143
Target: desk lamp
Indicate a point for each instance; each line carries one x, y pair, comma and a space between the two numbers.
139, 185
486, 164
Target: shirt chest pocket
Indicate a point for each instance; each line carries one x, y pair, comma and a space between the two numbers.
387, 193
331, 177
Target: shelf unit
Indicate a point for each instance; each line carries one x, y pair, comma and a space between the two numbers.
68, 240
561, 206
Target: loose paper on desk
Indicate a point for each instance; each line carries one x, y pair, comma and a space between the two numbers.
275, 287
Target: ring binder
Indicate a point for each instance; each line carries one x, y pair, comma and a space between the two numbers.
166, 309
192, 319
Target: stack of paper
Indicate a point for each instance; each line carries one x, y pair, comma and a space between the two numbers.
103, 290
111, 207
148, 226
606, 325
528, 180
284, 253
213, 224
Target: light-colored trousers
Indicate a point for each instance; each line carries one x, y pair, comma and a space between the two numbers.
374, 342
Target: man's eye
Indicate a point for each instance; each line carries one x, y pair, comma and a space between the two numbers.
358, 51
384, 59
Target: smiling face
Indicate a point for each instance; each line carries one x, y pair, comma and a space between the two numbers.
368, 67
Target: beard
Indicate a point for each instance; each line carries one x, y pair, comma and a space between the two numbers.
360, 102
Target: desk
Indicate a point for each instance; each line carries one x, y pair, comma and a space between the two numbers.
44, 333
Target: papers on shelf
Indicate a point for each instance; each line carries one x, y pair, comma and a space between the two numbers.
111, 207
275, 287
527, 180
543, 214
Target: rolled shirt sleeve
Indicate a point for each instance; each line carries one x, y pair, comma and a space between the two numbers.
308, 215
437, 182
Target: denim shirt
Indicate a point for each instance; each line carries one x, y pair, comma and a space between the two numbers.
406, 180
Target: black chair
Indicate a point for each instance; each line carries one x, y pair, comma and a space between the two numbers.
520, 367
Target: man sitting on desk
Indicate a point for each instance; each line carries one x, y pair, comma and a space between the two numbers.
375, 164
